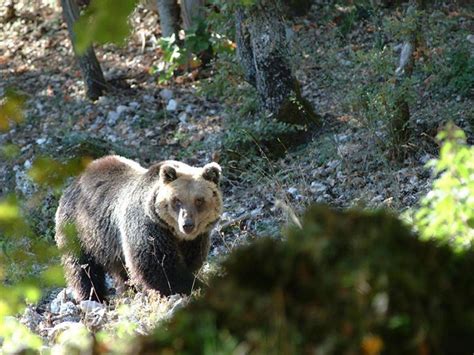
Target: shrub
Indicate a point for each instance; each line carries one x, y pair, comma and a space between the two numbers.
447, 212
347, 282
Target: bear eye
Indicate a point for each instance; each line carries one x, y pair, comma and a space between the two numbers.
199, 202
176, 202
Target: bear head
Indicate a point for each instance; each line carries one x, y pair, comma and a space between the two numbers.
188, 199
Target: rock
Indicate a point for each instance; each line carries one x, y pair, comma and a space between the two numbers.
134, 104
293, 191
68, 308
121, 109
89, 306
69, 327
112, 117
95, 317
166, 94
172, 105
318, 187
342, 138
425, 159
332, 165
55, 305
148, 98
23, 182
63, 296
31, 318
358, 182
176, 304
41, 141
183, 118
376, 200
470, 38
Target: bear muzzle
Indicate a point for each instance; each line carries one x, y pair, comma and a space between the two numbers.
188, 226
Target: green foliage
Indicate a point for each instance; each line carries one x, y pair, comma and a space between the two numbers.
249, 136
11, 106
185, 54
447, 212
405, 27
347, 282
458, 71
52, 173
378, 99
9, 151
17, 338
103, 21
28, 262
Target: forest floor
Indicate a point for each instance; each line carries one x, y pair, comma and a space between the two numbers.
347, 163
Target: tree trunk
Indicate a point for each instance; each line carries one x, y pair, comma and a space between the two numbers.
190, 11
89, 65
400, 121
169, 17
263, 52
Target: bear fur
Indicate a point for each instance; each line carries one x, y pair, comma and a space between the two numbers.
148, 225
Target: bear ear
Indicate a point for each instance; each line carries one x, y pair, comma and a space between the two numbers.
168, 174
212, 172
154, 170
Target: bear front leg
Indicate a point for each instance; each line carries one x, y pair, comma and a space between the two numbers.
86, 277
156, 264
195, 251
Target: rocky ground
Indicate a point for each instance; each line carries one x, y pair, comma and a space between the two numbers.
341, 166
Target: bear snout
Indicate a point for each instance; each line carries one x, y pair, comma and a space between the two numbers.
188, 226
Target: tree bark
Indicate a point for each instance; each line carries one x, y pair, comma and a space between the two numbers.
264, 54
169, 17
190, 11
400, 120
89, 65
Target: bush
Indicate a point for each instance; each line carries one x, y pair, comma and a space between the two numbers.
347, 282
447, 212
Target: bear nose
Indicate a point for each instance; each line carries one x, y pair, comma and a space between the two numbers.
188, 226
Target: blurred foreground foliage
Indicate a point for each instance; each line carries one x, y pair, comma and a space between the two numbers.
11, 106
447, 212
29, 263
104, 21
346, 283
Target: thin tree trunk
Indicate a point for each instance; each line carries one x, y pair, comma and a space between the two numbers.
89, 65
169, 17
263, 52
401, 116
191, 10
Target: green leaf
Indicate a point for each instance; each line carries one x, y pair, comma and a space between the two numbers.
104, 21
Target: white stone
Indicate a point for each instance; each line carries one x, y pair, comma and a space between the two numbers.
318, 187
183, 118
89, 306
55, 305
112, 117
292, 191
121, 109
65, 326
172, 105
166, 94
67, 308
148, 98
41, 141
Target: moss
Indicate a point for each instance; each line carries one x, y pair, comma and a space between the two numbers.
348, 282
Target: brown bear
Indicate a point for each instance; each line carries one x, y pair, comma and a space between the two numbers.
149, 225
